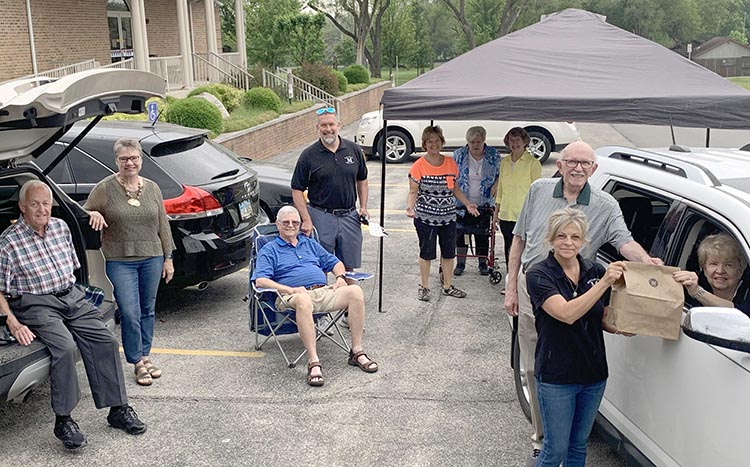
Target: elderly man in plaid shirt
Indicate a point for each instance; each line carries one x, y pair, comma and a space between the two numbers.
40, 299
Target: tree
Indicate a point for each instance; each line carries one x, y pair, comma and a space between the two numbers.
266, 44
424, 54
364, 14
226, 12
303, 36
459, 12
397, 35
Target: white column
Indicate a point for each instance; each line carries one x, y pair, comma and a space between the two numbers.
210, 26
140, 41
239, 30
186, 51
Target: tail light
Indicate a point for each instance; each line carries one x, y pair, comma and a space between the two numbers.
193, 203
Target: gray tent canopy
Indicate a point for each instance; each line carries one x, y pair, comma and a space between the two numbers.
573, 66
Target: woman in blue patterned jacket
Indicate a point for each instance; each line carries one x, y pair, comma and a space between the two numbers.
478, 168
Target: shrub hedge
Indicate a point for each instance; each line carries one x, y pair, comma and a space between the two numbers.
357, 74
228, 95
319, 75
343, 82
195, 113
262, 98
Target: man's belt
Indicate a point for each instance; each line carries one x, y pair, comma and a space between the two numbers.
62, 293
316, 286
335, 212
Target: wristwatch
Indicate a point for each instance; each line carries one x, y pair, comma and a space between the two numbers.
168, 256
341, 276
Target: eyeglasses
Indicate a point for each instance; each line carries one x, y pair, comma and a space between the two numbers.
290, 223
133, 159
571, 164
326, 110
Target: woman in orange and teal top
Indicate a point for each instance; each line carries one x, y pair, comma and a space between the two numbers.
517, 171
432, 204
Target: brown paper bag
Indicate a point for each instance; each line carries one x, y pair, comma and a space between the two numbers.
646, 300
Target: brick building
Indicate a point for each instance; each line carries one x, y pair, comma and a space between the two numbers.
41, 35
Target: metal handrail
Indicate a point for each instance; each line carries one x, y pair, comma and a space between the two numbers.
169, 68
301, 89
206, 70
66, 70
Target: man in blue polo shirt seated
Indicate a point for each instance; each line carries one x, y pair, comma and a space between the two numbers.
296, 266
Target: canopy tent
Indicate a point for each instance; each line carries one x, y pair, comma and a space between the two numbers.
573, 66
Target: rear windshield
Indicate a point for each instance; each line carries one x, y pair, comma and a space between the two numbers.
197, 161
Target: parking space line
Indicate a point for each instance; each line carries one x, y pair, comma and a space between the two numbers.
207, 353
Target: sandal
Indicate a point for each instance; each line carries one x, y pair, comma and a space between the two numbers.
370, 367
454, 292
153, 370
142, 376
314, 380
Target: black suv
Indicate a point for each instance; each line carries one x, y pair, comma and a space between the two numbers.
210, 195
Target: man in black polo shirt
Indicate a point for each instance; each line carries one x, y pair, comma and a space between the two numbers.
334, 173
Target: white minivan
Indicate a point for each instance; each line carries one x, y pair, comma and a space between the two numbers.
685, 402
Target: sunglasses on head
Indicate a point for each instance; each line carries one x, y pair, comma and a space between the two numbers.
326, 110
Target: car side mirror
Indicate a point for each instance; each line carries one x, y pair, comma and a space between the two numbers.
723, 327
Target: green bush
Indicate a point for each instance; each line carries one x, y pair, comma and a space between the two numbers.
357, 74
343, 82
228, 95
262, 98
320, 76
195, 113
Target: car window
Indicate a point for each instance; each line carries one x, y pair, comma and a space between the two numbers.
85, 169
197, 161
643, 212
61, 172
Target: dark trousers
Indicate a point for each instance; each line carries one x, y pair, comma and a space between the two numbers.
470, 225
65, 324
506, 227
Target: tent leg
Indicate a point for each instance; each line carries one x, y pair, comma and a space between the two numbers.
382, 214
708, 136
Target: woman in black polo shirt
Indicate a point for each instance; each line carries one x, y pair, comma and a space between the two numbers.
570, 296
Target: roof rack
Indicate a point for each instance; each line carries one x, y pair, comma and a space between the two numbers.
681, 168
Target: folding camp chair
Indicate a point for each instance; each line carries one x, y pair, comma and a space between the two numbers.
266, 320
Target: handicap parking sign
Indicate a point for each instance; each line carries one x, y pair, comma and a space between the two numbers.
153, 111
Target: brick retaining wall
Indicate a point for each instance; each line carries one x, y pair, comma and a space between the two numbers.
293, 130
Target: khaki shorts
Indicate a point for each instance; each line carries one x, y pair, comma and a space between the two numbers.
323, 299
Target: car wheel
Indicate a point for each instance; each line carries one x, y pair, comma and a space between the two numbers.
539, 146
519, 376
398, 147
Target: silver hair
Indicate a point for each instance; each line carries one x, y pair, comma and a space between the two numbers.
722, 246
559, 219
30, 185
476, 130
288, 209
127, 143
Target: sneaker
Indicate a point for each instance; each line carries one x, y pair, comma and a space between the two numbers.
423, 294
531, 461
324, 321
454, 292
459, 270
125, 418
69, 433
484, 270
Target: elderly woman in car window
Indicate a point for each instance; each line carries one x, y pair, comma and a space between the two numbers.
478, 167
722, 280
138, 246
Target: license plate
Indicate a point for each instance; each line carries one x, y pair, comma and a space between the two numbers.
246, 209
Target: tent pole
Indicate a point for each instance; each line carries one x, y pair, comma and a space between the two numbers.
671, 130
383, 147
708, 136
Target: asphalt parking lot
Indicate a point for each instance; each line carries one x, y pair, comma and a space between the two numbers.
444, 394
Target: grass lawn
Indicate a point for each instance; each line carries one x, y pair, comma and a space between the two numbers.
743, 81
403, 75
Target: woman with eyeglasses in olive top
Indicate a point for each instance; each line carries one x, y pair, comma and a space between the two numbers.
137, 243
517, 171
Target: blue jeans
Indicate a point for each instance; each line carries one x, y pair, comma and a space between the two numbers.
568, 412
136, 284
